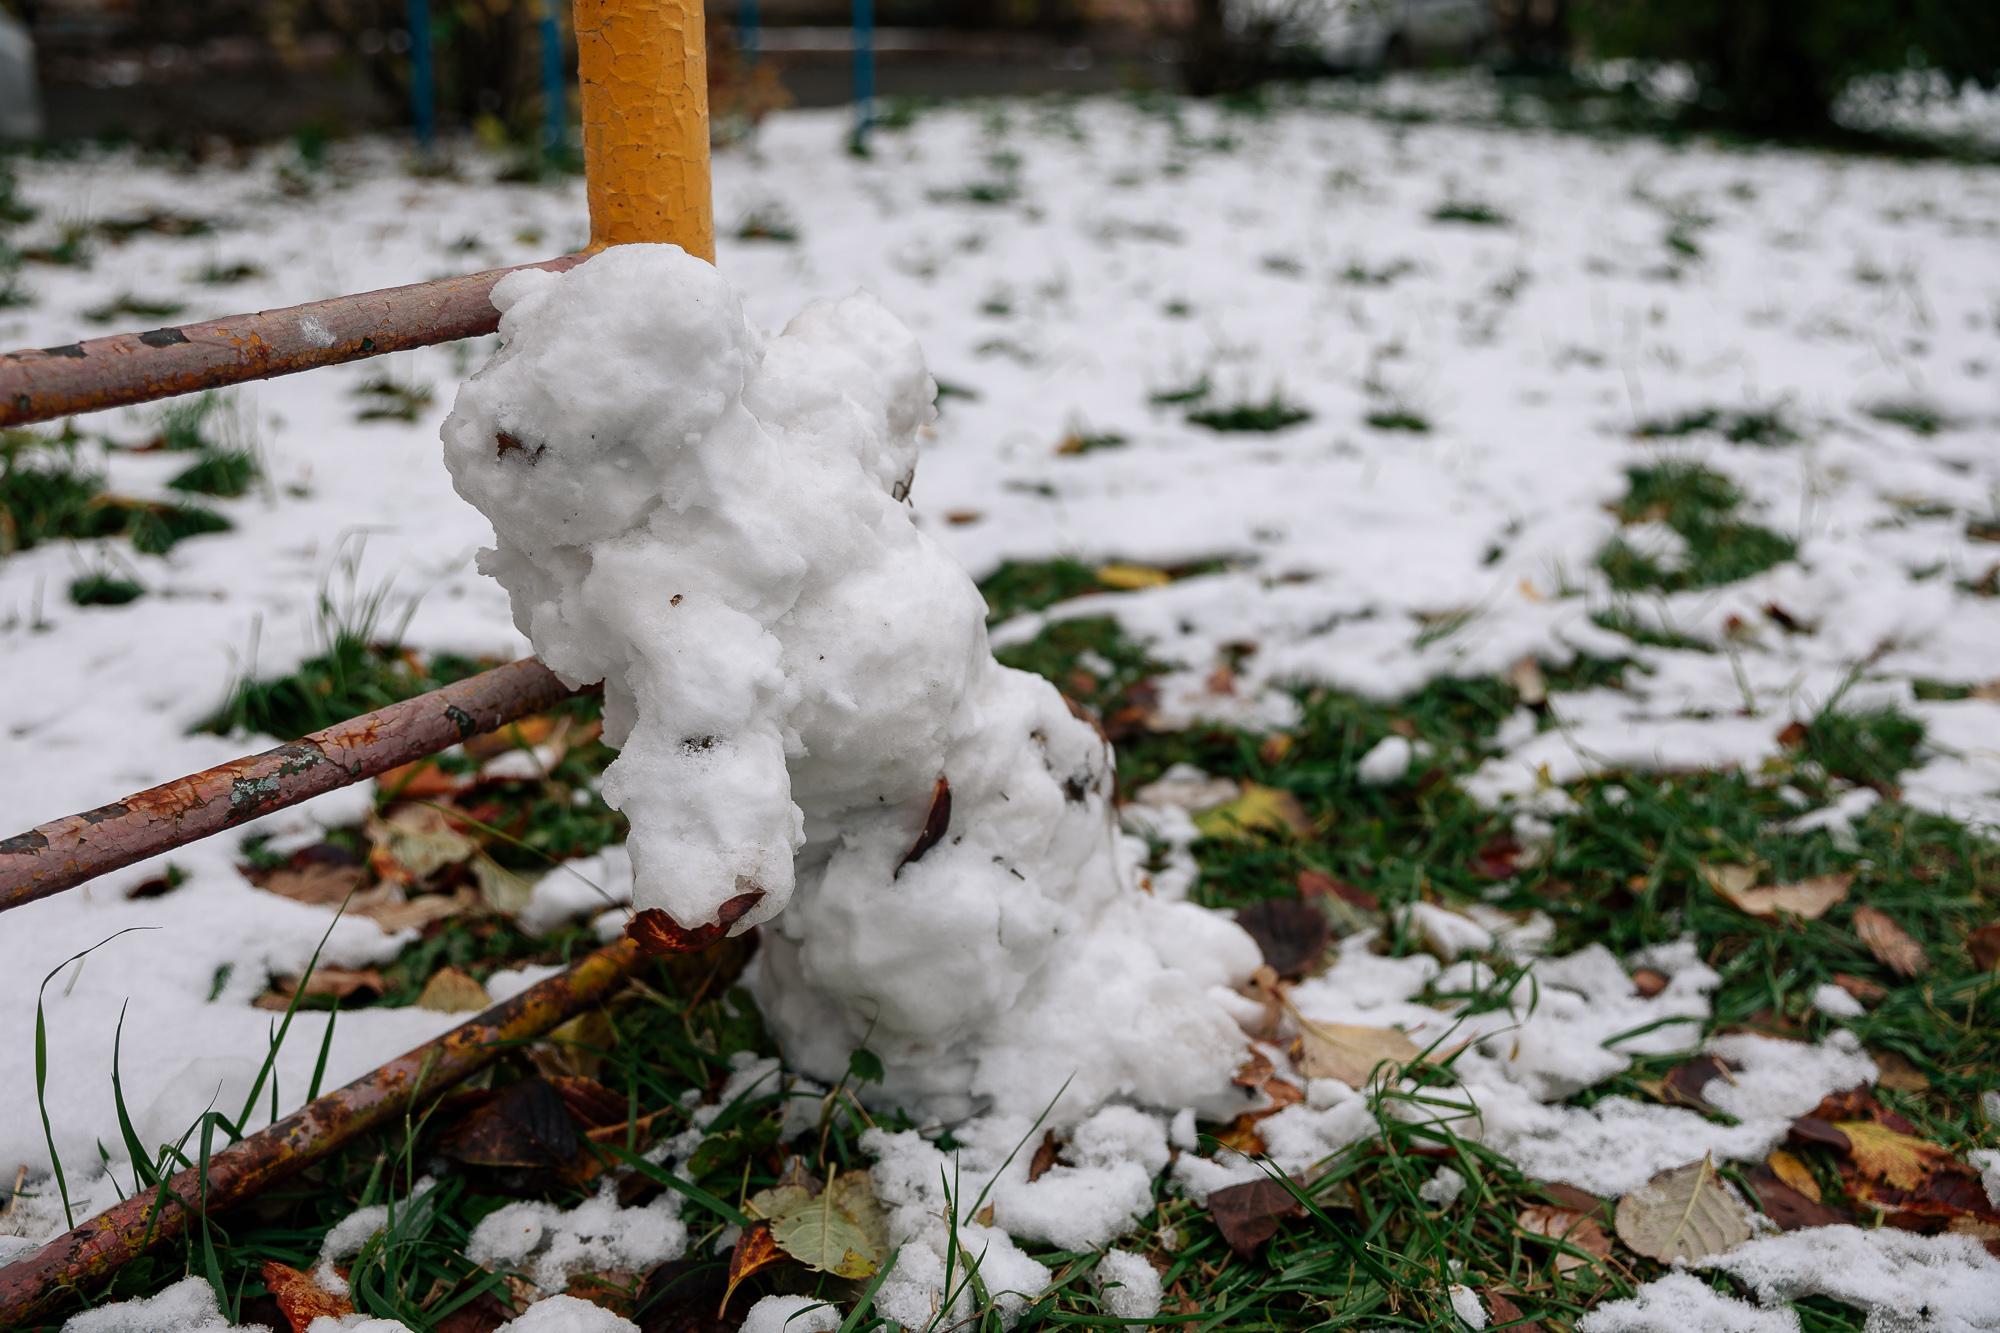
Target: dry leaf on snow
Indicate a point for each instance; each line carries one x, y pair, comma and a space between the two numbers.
1350, 1052
301, 1299
1686, 1213
1807, 899
338, 983
1131, 578
414, 842
1889, 942
451, 990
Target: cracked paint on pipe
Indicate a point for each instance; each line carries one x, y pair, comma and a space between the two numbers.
642, 67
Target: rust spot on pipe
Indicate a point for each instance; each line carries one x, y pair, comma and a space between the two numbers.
124, 368
35, 1287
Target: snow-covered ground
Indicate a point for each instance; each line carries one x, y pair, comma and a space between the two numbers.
1064, 264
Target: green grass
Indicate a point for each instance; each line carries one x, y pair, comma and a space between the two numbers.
1273, 414
769, 223
1470, 213
1399, 418
126, 306
44, 499
102, 589
222, 472
385, 399
1764, 426
1029, 585
1912, 414
354, 674
1701, 506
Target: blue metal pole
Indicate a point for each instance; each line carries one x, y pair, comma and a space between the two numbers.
864, 70
423, 77
746, 31
555, 130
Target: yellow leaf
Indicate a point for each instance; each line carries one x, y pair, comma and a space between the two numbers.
1894, 1159
1788, 1168
452, 991
841, 1232
1807, 899
1130, 578
503, 890
1257, 810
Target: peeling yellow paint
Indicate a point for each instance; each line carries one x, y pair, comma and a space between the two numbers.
643, 69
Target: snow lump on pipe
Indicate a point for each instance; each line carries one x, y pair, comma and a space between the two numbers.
714, 523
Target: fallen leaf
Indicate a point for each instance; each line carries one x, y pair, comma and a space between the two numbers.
389, 907
1861, 988
420, 780
1274, 747
1293, 936
842, 1231
414, 842
1312, 884
1573, 1229
1686, 1083
1131, 578
958, 518
1808, 899
1248, 1214
1881, 1153
1258, 810
502, 890
1499, 858
1047, 1153
317, 883
1792, 735
1984, 946
299, 1298
1570, 1197
1502, 1312
589, 1102
451, 990
1791, 1208
1526, 678
1889, 942
1647, 982
525, 734
936, 821
1788, 1168
1350, 1052
658, 933
755, 1251
525, 1125
1895, 1072
338, 983
1684, 1213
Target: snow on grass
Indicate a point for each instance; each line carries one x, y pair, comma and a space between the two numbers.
1817, 334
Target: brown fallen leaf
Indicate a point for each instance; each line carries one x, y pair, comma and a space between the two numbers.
337, 983
1895, 1072
1350, 1052
1499, 857
1293, 936
1984, 946
1890, 943
413, 842
315, 882
1686, 1082
1570, 1197
451, 990
301, 1299
1861, 988
1687, 1212
1047, 1152
1807, 899
1791, 1208
421, 780
1312, 884
525, 1125
754, 1252
1572, 1230
1526, 678
1248, 1214
1502, 1312
1647, 982
937, 820
658, 933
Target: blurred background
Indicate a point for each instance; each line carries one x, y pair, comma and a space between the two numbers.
200, 74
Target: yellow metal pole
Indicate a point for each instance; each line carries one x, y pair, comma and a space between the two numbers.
643, 70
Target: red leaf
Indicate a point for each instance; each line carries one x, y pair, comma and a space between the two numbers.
658, 933
1786, 1206
300, 1298
935, 823
1247, 1215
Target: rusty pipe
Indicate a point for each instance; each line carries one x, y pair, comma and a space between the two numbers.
41, 384
32, 1288
65, 852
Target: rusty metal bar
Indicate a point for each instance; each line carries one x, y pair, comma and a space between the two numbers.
65, 852
33, 1288
125, 368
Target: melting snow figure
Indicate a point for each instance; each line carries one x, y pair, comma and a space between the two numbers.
713, 523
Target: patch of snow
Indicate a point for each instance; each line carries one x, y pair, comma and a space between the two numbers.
1943, 1284
1442, 1190
791, 1314
1683, 1303
188, 1306
1128, 1286
550, 1245
1387, 762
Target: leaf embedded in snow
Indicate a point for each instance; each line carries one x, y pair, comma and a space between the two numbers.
1258, 810
1889, 942
755, 1250
321, 881
1291, 935
1350, 1052
301, 1299
1685, 1213
1130, 578
842, 1231
936, 821
1808, 899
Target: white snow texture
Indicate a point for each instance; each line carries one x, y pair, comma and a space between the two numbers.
712, 523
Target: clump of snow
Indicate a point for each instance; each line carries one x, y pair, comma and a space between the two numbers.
1128, 1286
1986, 1161
1442, 1190
712, 523
1387, 762
1946, 1284
188, 1306
1465, 1303
1834, 1002
791, 1314
568, 1314
551, 1245
1683, 1303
